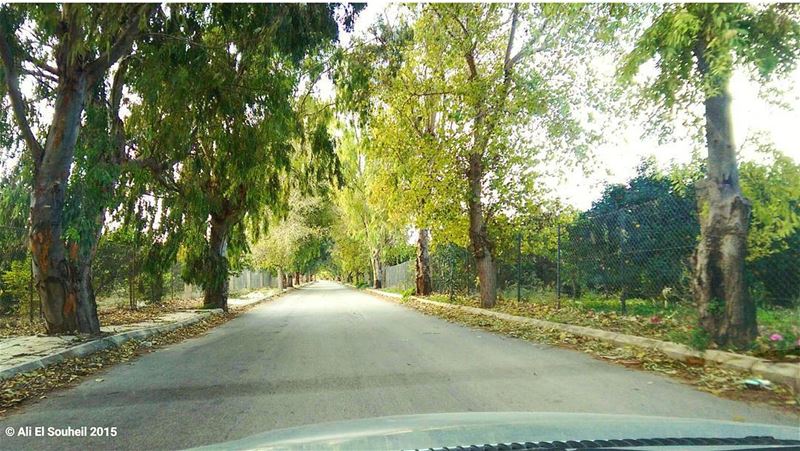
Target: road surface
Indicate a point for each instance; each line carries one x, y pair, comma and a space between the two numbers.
326, 353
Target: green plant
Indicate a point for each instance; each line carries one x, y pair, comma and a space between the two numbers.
699, 339
16, 284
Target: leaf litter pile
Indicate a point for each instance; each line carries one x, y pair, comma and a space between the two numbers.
35, 385
704, 376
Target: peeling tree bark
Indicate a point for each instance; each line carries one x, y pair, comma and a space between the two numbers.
727, 313
62, 277
55, 281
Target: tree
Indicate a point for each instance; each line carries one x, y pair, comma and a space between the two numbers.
218, 127
469, 106
696, 48
773, 248
69, 52
297, 242
363, 213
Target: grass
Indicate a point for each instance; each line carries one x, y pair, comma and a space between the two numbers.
653, 318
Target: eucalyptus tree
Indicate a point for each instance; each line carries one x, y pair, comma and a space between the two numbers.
66, 51
219, 124
696, 48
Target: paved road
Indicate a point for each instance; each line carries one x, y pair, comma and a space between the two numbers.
325, 353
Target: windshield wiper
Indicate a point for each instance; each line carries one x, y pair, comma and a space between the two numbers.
631, 443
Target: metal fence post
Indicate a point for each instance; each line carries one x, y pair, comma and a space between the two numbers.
558, 265
452, 277
130, 278
519, 266
30, 293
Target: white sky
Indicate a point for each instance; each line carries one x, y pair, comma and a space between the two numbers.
617, 159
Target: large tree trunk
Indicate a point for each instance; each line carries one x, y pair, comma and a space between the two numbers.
55, 282
727, 313
156, 292
64, 289
479, 236
377, 270
281, 282
216, 287
87, 306
423, 267
297, 278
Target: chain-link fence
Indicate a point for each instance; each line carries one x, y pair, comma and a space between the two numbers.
640, 251
399, 276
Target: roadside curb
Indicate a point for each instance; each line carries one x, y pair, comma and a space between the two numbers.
260, 301
116, 340
102, 344
786, 373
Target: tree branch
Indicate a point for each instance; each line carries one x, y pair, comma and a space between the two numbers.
40, 73
157, 170
17, 102
117, 126
508, 61
123, 43
41, 64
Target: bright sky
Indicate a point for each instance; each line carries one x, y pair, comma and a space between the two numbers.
617, 159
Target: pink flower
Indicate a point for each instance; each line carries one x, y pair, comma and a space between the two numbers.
798, 342
776, 337
655, 319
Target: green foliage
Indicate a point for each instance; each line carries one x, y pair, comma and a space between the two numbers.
298, 242
221, 136
773, 189
14, 205
17, 285
765, 38
364, 233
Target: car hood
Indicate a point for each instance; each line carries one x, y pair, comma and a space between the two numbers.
451, 429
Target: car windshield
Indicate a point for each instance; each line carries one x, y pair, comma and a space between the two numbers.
399, 225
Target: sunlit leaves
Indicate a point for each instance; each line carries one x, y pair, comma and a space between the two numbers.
764, 38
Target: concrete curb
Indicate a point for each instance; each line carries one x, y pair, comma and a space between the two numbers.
787, 373
116, 340
101, 344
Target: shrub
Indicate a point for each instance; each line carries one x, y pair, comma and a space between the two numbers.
16, 284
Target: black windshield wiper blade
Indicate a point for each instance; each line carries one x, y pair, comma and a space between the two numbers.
616, 444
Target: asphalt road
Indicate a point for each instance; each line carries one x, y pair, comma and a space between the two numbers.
326, 353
